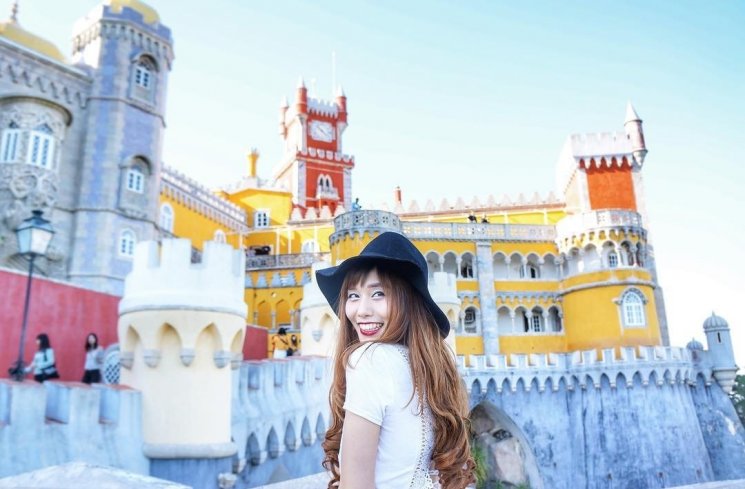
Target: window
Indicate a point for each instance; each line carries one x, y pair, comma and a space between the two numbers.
40, 147
535, 322
127, 243
261, 219
135, 180
166, 217
469, 320
310, 246
612, 259
632, 306
142, 75
529, 271
143, 79
219, 236
9, 145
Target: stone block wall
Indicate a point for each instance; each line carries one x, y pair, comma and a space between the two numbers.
58, 422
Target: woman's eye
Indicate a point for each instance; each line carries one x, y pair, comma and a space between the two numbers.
352, 295
378, 293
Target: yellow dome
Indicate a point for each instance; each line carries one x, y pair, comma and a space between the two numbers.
149, 15
12, 31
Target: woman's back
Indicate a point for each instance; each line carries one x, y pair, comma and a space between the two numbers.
380, 389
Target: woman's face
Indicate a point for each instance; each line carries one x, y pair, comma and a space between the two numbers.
367, 307
91, 339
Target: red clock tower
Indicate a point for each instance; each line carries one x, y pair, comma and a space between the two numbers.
313, 166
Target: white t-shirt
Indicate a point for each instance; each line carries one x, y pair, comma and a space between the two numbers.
379, 389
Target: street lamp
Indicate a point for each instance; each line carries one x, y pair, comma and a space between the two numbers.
34, 235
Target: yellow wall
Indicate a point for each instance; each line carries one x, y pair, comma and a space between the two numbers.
280, 300
279, 204
532, 343
469, 345
195, 226
592, 319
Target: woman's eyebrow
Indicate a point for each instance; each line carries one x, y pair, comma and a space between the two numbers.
373, 285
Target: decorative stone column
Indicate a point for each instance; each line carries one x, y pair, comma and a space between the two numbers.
180, 325
488, 298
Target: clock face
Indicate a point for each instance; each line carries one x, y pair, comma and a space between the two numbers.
321, 131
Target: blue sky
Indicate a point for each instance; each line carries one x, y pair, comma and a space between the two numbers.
451, 99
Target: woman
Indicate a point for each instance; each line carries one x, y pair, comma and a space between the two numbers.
280, 344
93, 360
399, 410
43, 365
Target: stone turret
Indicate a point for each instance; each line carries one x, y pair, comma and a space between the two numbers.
181, 327
721, 354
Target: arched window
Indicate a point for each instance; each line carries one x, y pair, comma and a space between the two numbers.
632, 309
166, 217
470, 323
466, 266
530, 271
127, 241
10, 143
310, 246
135, 180
143, 79
41, 147
612, 259
219, 236
536, 320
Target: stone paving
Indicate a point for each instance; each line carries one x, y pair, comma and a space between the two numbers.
320, 481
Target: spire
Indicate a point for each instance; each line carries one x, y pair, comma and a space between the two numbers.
340, 91
283, 103
14, 12
301, 83
631, 114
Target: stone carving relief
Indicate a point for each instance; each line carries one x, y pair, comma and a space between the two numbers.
33, 116
24, 188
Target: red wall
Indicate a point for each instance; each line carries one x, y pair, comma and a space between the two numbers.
66, 313
254, 348
611, 188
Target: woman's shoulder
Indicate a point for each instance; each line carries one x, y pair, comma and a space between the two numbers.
379, 354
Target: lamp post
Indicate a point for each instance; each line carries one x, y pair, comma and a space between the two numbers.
34, 235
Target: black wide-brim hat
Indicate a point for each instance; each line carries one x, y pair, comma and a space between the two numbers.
397, 254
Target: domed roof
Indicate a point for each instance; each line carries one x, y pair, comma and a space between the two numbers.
13, 31
149, 14
694, 344
715, 322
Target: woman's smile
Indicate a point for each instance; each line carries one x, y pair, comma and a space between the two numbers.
367, 307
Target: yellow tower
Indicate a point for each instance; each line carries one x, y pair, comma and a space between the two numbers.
181, 328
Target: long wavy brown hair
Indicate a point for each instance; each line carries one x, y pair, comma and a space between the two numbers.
433, 370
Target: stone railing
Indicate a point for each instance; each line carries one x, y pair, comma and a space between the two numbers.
480, 231
358, 222
197, 197
579, 369
605, 219
297, 260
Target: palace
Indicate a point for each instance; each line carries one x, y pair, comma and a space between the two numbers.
554, 300
81, 140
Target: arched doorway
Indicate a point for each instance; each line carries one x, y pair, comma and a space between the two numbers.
500, 447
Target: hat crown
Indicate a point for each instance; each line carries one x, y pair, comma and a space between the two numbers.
397, 247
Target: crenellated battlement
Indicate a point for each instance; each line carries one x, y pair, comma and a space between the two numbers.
279, 406
100, 424
581, 369
323, 107
164, 278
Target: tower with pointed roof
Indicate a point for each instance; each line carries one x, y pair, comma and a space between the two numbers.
313, 166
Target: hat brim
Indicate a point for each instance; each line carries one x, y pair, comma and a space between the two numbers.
330, 281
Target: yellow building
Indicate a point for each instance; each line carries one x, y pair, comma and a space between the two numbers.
534, 275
